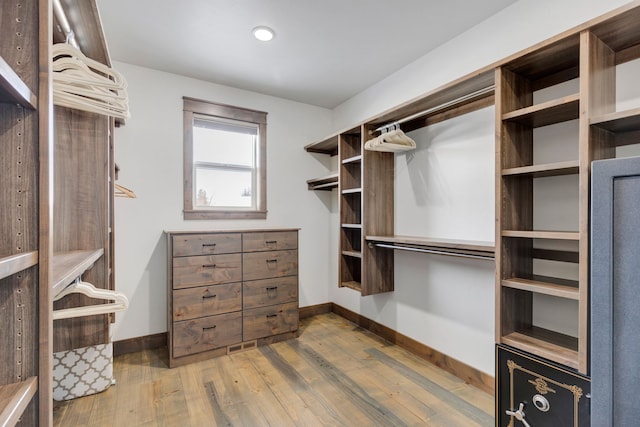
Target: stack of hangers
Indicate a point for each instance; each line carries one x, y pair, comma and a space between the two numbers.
391, 140
85, 84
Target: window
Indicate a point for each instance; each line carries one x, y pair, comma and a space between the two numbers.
224, 161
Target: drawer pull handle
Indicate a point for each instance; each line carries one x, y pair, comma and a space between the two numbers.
209, 296
271, 242
269, 261
209, 328
272, 288
204, 245
270, 316
208, 266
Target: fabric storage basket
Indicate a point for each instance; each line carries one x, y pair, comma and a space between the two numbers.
82, 371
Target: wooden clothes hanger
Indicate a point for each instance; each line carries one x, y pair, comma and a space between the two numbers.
121, 302
121, 191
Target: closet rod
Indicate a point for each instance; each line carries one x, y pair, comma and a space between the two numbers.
434, 251
64, 24
442, 106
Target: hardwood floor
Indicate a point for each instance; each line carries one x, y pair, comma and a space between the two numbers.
334, 374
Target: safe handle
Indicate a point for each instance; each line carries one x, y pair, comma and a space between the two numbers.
519, 414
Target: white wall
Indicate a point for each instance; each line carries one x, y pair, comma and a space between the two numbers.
149, 153
447, 188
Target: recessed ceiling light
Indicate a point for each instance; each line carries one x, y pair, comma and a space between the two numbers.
263, 33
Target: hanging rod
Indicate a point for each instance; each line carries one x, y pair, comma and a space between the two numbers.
442, 106
64, 24
435, 251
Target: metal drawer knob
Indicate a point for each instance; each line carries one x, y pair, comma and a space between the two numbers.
541, 403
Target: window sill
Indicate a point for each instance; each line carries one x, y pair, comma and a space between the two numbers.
204, 215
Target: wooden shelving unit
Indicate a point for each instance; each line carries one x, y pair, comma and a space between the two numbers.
517, 278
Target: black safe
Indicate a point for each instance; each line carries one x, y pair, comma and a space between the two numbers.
535, 392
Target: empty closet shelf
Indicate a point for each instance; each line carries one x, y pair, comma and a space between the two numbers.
326, 183
13, 89
461, 248
14, 398
16, 263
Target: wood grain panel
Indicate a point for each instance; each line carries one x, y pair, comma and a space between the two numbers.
206, 333
206, 300
269, 241
265, 265
271, 320
206, 244
260, 293
206, 270
81, 218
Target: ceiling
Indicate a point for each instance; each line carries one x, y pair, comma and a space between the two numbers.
324, 51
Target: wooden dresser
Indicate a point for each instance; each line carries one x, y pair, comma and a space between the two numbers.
230, 291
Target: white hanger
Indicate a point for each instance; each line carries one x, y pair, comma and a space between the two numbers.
391, 141
85, 84
121, 302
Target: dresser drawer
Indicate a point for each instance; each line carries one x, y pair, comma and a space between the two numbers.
272, 320
260, 293
206, 270
206, 333
265, 265
206, 244
269, 241
206, 300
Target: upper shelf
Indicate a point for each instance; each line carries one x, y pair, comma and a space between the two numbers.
67, 266
570, 167
326, 146
547, 113
13, 89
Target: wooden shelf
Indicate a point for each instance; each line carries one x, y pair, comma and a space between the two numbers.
352, 191
546, 288
456, 246
622, 121
551, 235
13, 89
326, 146
14, 398
352, 285
354, 159
326, 183
16, 263
69, 265
547, 113
552, 345
356, 226
543, 170
352, 254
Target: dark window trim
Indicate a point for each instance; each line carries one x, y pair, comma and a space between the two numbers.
199, 107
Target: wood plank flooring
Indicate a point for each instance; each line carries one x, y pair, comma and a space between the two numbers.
334, 374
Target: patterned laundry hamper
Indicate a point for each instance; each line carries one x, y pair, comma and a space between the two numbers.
82, 371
